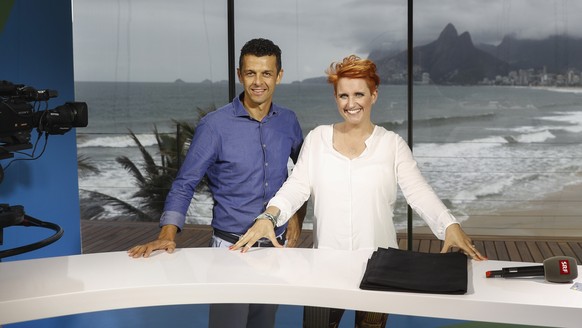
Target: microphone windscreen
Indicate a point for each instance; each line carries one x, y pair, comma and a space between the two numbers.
560, 269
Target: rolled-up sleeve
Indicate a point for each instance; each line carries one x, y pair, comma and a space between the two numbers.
199, 157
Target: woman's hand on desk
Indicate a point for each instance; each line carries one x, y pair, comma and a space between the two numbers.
261, 228
456, 237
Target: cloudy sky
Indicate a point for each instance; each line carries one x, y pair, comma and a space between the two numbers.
152, 40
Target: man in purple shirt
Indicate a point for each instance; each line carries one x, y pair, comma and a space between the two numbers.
243, 148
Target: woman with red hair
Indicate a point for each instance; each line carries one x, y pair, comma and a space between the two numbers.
352, 170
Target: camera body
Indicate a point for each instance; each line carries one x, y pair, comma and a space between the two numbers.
15, 125
18, 116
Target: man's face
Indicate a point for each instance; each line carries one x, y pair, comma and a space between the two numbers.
259, 76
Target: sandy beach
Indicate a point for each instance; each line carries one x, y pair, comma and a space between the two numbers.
557, 215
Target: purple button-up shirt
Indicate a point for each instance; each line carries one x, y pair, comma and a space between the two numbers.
245, 161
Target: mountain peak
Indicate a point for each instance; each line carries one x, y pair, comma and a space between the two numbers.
449, 33
451, 59
465, 39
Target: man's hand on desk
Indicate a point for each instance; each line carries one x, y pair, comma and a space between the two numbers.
165, 242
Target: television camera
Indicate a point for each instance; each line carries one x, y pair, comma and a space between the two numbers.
18, 116
20, 113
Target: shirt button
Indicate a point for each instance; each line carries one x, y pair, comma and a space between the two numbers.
264, 146
266, 164
266, 184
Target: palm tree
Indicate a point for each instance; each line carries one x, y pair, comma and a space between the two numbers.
85, 167
152, 180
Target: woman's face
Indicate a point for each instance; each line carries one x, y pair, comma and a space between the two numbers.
354, 100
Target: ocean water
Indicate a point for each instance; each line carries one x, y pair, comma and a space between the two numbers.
481, 148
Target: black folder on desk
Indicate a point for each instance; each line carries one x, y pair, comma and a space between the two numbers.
398, 270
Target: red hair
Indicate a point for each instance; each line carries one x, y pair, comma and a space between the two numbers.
353, 67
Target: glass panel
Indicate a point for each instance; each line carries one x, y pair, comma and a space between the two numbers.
497, 112
312, 35
140, 66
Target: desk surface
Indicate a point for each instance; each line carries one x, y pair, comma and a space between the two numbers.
50, 287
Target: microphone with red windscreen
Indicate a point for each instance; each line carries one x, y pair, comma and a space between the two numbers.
555, 269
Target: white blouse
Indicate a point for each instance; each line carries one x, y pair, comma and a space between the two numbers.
354, 199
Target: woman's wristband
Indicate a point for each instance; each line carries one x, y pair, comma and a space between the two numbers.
267, 216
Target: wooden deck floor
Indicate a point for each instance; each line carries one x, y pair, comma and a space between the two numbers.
109, 236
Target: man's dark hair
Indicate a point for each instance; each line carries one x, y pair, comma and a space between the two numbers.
260, 47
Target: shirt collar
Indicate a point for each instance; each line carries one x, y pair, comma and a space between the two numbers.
239, 109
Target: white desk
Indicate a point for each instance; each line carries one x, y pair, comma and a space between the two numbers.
50, 287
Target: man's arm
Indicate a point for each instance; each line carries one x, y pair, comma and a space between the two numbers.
295, 225
165, 241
